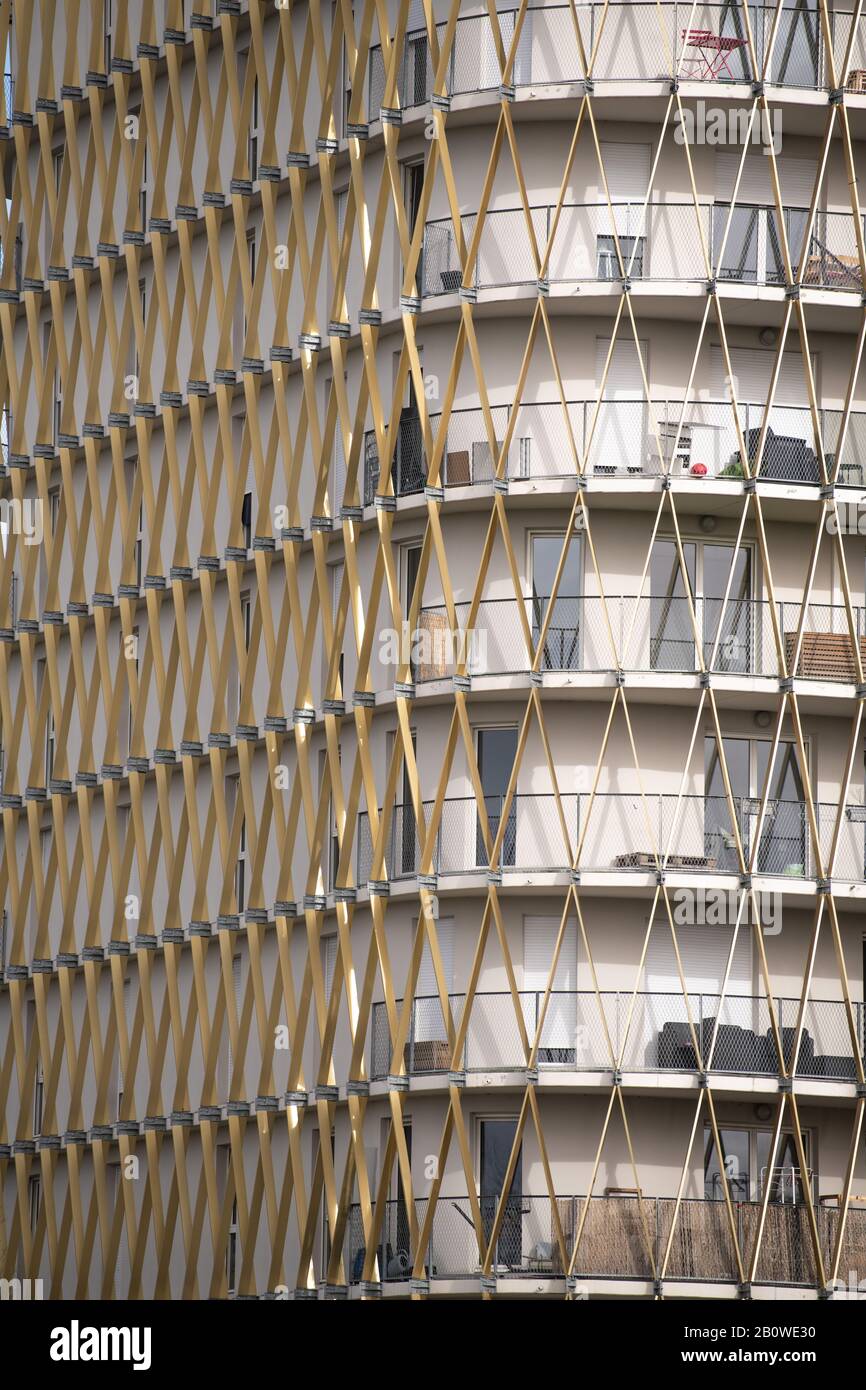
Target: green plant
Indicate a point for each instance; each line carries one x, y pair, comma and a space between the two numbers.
734, 469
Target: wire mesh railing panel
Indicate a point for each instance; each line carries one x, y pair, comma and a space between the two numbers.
852, 1254
702, 1246
639, 1031
654, 1031
641, 42
622, 831
617, 1237
652, 241
849, 858
628, 438
622, 1237
591, 632
493, 1041
395, 1254
786, 1254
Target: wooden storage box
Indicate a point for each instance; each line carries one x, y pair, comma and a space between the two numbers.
433, 1054
827, 656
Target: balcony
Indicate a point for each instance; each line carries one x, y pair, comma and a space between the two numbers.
632, 1032
639, 42
617, 832
591, 633
620, 1237
657, 242
627, 439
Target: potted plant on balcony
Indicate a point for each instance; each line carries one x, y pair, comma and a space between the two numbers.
733, 469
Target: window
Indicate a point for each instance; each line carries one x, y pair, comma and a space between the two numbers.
244, 59
247, 519
131, 466
784, 843
19, 257
43, 688
562, 640
50, 742
632, 249
495, 1143
232, 1250
246, 625
233, 793
240, 325
241, 872
253, 142
129, 653
124, 811
143, 174
496, 750
404, 840
332, 845
108, 30
57, 387
53, 515
413, 185
417, 85
335, 580
39, 1082
337, 471
53, 223
394, 1252
228, 1057
34, 1201
133, 356
728, 630
410, 564
746, 1163
234, 687
429, 1038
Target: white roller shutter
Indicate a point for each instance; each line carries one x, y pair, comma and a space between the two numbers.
753, 368
429, 1023
558, 1033
627, 169
624, 378
796, 179
539, 940
704, 953
619, 442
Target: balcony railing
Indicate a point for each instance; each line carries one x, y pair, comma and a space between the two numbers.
658, 242
7, 101
647, 1031
635, 42
622, 1237
625, 438
618, 832
586, 632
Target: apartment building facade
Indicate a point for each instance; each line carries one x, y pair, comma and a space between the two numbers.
432, 638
